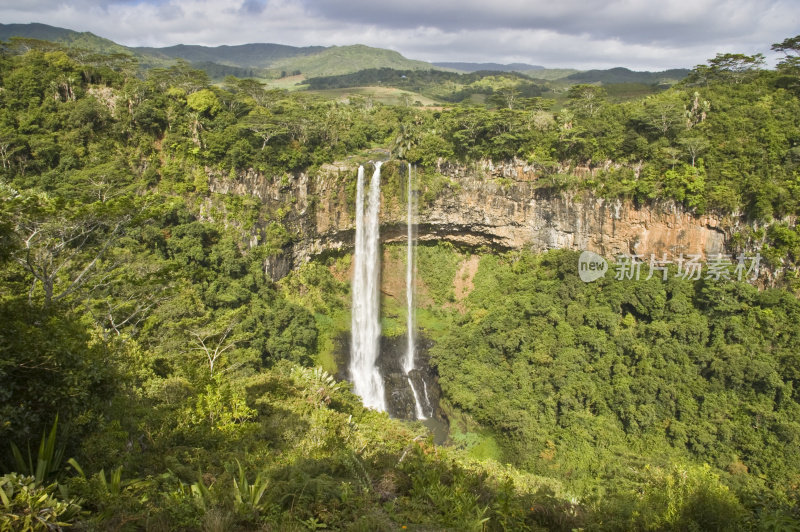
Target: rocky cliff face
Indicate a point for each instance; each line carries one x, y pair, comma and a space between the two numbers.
493, 205
502, 207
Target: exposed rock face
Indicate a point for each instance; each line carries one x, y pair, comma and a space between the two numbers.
518, 215
494, 205
400, 401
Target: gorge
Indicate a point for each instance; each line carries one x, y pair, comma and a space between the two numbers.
498, 206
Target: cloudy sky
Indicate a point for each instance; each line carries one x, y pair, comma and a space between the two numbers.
639, 34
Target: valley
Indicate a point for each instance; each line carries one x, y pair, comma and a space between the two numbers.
192, 264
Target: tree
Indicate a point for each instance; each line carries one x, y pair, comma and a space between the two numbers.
698, 112
60, 247
663, 114
8, 238
150, 117
789, 66
694, 146
180, 75
134, 282
735, 67
405, 140
790, 46
671, 155
213, 342
264, 124
537, 104
204, 102
50, 362
586, 99
7, 148
505, 97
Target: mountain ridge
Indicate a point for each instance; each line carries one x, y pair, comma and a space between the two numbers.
626, 75
273, 60
45, 32
257, 59
252, 55
498, 67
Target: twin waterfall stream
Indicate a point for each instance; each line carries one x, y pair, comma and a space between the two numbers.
408, 362
366, 320
365, 346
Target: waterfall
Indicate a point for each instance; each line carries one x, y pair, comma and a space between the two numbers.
365, 324
408, 362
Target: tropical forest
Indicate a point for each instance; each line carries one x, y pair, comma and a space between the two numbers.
336, 289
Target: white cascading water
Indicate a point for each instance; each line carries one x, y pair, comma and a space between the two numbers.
365, 324
408, 362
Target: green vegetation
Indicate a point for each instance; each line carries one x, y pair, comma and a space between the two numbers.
133, 312
42, 32
623, 75
138, 312
496, 67
439, 265
256, 56
723, 140
438, 85
344, 59
551, 74
600, 383
376, 94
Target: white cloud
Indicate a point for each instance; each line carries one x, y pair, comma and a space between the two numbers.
639, 34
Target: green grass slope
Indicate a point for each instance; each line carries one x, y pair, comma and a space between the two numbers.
338, 60
551, 74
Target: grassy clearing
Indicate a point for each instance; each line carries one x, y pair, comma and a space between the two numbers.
384, 95
290, 83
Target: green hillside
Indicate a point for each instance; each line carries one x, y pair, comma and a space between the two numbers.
274, 60
338, 60
247, 60
551, 73
624, 75
75, 39
256, 55
493, 87
497, 67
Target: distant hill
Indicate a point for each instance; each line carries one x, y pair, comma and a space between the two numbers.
274, 60
624, 75
551, 74
437, 85
612, 75
245, 60
76, 39
495, 67
260, 55
338, 60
